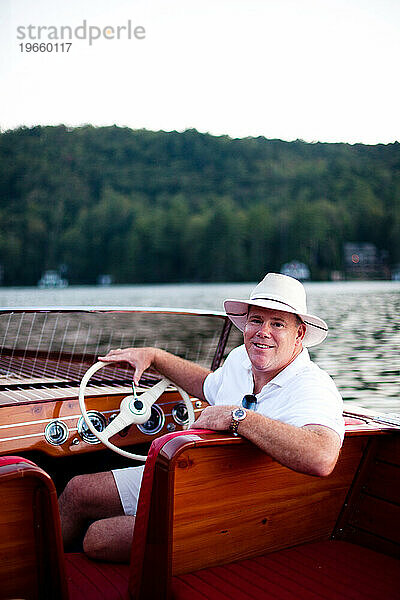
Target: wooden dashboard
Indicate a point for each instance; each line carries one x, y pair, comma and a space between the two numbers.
56, 427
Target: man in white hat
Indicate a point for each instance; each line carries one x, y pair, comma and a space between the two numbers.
268, 390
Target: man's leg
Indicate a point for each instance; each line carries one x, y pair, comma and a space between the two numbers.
86, 498
110, 539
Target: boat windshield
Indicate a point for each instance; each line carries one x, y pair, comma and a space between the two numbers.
61, 345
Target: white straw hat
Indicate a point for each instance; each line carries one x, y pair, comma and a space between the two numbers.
279, 292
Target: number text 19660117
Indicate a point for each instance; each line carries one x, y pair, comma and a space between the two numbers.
45, 47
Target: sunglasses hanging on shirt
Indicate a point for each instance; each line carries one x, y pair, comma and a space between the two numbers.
249, 401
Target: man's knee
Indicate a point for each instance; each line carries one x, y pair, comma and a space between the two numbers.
94, 542
110, 539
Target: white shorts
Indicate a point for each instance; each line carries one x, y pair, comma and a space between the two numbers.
128, 482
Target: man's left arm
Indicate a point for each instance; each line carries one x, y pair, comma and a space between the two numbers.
311, 449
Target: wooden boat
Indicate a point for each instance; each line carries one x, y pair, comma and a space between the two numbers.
217, 518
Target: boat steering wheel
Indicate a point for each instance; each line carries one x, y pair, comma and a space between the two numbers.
133, 410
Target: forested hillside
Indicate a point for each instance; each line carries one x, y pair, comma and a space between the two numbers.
153, 206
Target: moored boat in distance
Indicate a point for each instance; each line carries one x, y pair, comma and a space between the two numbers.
52, 279
218, 518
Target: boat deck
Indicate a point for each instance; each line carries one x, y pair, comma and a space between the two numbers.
328, 570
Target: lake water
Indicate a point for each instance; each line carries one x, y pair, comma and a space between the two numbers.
361, 352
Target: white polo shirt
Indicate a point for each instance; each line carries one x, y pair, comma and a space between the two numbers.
301, 394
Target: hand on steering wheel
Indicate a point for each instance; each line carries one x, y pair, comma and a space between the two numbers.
133, 410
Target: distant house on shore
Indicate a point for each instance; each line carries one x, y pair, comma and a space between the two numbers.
396, 273
365, 261
296, 269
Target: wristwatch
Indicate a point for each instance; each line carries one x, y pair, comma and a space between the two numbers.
238, 414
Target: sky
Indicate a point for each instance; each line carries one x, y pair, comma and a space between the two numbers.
317, 70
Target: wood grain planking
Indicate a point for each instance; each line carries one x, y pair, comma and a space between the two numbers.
17, 552
378, 517
215, 522
369, 540
389, 449
383, 481
31, 554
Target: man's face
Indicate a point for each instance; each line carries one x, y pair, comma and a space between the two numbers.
272, 339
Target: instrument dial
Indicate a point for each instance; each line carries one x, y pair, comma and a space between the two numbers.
180, 414
56, 433
155, 423
99, 423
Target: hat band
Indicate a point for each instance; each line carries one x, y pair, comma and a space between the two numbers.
280, 302
273, 300
314, 325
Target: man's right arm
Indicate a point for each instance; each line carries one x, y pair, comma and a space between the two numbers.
184, 373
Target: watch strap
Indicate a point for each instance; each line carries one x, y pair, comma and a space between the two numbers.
234, 426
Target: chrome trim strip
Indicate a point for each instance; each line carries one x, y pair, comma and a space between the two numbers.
29, 435
71, 429
59, 418
113, 309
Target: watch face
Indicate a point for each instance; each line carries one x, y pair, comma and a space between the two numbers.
239, 414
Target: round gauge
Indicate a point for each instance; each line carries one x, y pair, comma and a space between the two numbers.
180, 414
155, 423
99, 423
56, 433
